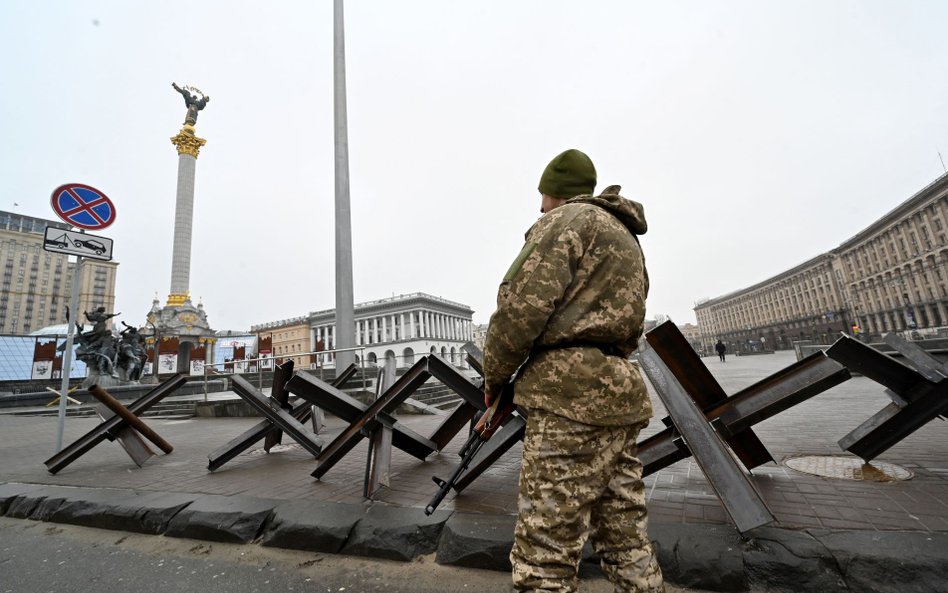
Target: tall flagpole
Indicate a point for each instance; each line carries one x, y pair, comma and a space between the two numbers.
345, 314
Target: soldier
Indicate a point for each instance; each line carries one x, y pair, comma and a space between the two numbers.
572, 306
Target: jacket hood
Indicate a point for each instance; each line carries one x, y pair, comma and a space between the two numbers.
629, 212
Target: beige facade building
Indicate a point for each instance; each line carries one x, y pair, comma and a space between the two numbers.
802, 303
289, 340
479, 335
691, 333
890, 277
36, 284
893, 273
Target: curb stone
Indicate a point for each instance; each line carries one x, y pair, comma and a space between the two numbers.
109, 508
702, 556
477, 541
791, 560
122, 510
396, 533
234, 519
104, 508
890, 561
312, 526
10, 492
38, 504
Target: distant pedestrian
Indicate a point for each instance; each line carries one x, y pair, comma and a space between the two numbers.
721, 349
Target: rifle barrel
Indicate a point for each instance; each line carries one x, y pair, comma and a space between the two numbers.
471, 447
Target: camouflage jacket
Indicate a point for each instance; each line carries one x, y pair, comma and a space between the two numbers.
580, 277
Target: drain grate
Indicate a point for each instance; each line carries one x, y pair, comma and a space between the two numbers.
848, 468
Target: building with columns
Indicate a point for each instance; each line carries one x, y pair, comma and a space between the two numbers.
890, 277
401, 328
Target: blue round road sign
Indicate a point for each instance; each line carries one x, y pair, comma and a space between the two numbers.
83, 206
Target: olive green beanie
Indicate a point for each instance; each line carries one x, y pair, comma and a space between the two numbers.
568, 175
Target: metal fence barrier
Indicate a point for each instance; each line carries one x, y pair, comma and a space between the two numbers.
270, 361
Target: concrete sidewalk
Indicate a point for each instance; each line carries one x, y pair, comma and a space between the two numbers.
831, 534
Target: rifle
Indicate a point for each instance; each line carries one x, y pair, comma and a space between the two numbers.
489, 423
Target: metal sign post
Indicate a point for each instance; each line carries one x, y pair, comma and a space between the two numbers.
85, 207
67, 353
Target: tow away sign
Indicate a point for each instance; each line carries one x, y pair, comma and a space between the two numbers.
81, 244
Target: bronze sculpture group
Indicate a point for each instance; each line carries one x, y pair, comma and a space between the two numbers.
121, 356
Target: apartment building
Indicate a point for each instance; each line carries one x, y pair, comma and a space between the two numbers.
35, 284
890, 277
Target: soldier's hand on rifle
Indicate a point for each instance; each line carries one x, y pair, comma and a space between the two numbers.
489, 396
481, 425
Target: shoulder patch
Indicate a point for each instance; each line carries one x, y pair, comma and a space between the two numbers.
518, 263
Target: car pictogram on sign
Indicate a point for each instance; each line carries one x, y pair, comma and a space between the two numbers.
90, 244
58, 240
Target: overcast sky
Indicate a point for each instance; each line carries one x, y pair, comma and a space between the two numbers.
756, 134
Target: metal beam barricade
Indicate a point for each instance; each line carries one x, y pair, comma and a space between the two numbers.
268, 429
281, 374
741, 500
731, 416
379, 460
365, 420
919, 392
272, 411
115, 427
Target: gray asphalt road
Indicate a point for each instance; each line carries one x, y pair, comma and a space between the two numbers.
40, 557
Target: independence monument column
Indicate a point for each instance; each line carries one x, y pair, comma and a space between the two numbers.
186, 338
188, 145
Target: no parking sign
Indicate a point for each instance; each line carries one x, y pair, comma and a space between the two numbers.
83, 206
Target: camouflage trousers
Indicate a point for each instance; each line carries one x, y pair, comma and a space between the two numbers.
580, 481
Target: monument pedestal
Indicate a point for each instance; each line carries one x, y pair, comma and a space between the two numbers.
103, 380
183, 331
